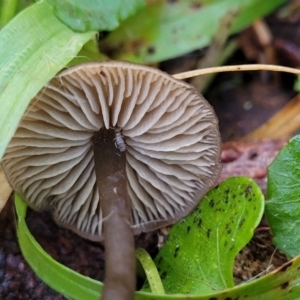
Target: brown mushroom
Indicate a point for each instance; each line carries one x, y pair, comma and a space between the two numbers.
156, 145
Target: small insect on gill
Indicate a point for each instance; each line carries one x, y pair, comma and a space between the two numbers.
119, 141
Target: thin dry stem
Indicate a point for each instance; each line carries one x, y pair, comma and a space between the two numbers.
255, 67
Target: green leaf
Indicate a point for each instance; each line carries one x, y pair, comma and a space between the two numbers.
283, 283
95, 14
166, 29
34, 46
199, 253
283, 193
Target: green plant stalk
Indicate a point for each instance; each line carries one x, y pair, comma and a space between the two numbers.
8, 10
34, 46
150, 270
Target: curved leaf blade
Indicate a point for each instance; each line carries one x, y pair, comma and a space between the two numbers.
59, 277
95, 14
283, 283
150, 271
283, 193
34, 46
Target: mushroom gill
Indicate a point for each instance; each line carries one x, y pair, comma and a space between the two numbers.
171, 135
114, 148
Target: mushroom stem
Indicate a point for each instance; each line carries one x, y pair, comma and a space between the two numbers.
110, 164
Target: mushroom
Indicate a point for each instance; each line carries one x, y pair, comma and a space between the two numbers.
113, 149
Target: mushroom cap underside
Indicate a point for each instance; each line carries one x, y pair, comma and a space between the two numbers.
171, 135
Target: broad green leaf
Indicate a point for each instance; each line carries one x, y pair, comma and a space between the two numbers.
166, 29
283, 283
95, 14
199, 253
34, 46
283, 193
